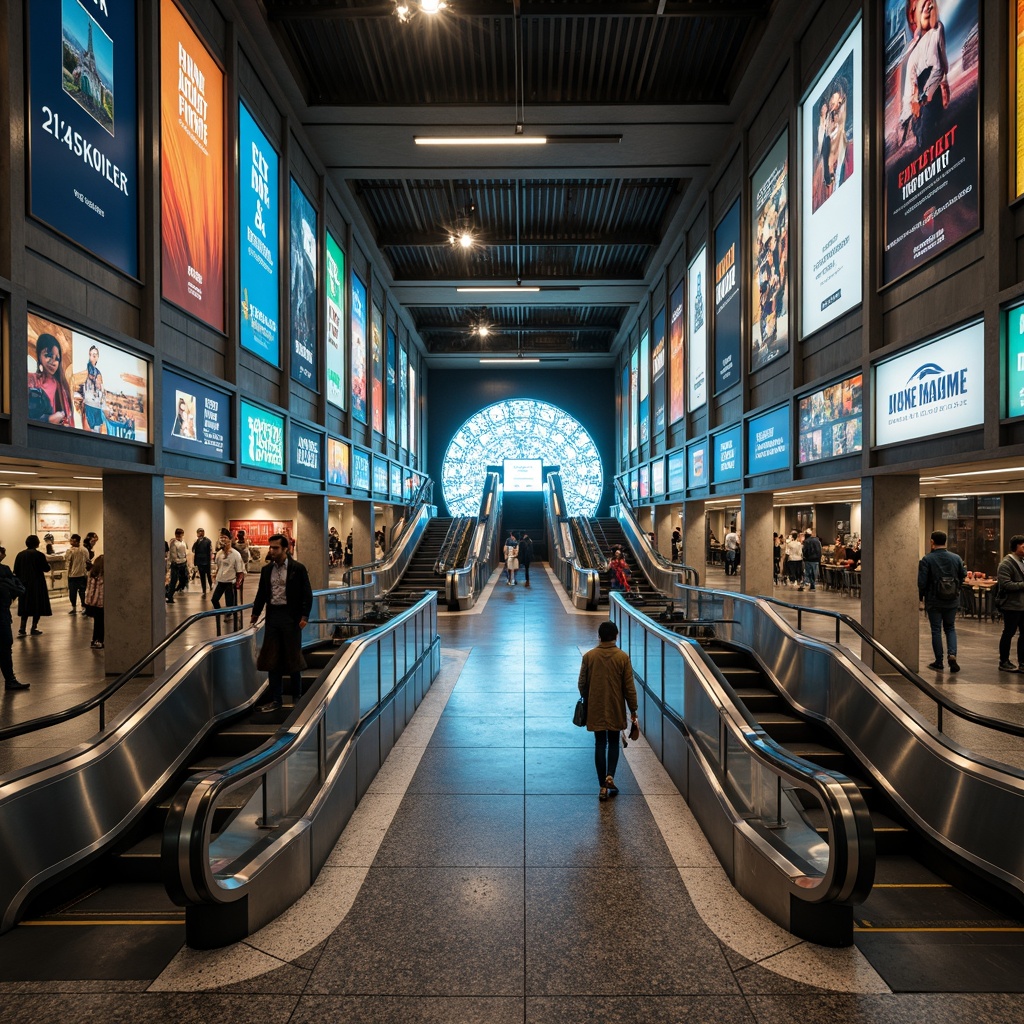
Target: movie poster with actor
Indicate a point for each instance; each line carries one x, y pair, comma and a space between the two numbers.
932, 184
769, 336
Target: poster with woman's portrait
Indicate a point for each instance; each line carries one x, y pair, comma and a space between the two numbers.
932, 183
769, 186
81, 382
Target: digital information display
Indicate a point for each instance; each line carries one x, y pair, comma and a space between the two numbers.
522, 475
768, 441
196, 418
831, 420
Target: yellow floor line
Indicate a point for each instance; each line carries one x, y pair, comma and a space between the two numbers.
92, 922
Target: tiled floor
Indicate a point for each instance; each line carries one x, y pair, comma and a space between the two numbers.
482, 881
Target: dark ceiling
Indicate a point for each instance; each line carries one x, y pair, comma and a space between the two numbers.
636, 93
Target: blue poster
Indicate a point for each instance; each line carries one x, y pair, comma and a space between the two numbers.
768, 440
302, 291
697, 465
83, 125
262, 438
196, 418
307, 449
392, 343
676, 472
358, 351
258, 248
360, 469
727, 300
727, 465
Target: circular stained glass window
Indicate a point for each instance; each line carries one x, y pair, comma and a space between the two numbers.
521, 428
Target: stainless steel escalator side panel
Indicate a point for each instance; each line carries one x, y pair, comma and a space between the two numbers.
92, 793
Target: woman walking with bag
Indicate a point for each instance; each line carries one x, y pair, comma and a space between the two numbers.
94, 601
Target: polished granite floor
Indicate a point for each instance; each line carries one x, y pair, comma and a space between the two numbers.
481, 880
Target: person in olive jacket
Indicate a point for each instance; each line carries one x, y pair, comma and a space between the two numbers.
606, 682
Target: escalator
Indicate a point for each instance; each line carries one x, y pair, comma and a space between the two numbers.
420, 575
610, 535
929, 910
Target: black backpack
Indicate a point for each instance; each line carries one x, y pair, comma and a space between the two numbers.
947, 588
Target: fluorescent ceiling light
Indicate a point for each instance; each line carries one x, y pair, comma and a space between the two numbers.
512, 359
480, 140
479, 288
17, 472
87, 478
980, 472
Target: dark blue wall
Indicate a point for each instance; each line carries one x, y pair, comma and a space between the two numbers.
455, 395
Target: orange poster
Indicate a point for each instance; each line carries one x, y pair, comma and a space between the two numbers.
191, 170
1019, 118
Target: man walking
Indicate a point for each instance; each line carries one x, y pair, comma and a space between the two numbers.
177, 555
526, 554
811, 551
285, 592
202, 551
732, 547
1011, 589
76, 559
940, 575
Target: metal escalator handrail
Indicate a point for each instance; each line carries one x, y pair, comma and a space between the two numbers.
582, 584
929, 690
851, 864
464, 583
189, 825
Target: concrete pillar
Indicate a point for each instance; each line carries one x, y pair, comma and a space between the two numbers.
131, 540
311, 529
756, 544
663, 527
695, 537
891, 550
362, 532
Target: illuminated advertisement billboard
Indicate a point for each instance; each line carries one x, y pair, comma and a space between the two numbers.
657, 478
697, 469
196, 418
83, 382
302, 287
645, 377
676, 369
358, 350
658, 370
392, 344
337, 463
726, 447
191, 171
307, 452
769, 252
697, 321
403, 397
831, 189
676, 472
262, 436
377, 369
259, 289
83, 140
728, 314
768, 441
831, 420
335, 294
360, 469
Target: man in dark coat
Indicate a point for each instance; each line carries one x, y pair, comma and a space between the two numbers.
202, 556
285, 592
10, 588
940, 575
31, 567
526, 554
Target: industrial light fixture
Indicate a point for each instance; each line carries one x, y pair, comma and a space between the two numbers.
480, 140
405, 10
512, 359
480, 288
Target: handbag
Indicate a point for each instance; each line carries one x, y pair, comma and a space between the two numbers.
634, 731
579, 715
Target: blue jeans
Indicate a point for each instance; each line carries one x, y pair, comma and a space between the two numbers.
811, 573
606, 753
730, 563
76, 588
943, 619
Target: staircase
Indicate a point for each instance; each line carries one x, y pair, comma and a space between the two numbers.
609, 536
420, 575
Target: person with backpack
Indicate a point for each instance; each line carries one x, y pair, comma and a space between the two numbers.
1010, 603
940, 575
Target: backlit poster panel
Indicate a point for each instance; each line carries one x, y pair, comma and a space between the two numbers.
832, 189
931, 389
1015, 361
83, 125
403, 397
392, 343
676, 371
643, 483
307, 452
412, 409
768, 442
676, 472
697, 347
358, 350
931, 186
377, 369
697, 469
191, 171
634, 398
624, 418
258, 247
337, 463
727, 464
645, 376
658, 371
380, 475
302, 287
360, 469
396, 481
831, 420
196, 418
657, 478
727, 300
262, 438
1019, 110
335, 294
83, 382
769, 189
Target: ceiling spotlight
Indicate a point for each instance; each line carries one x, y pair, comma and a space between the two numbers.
481, 330
402, 11
432, 6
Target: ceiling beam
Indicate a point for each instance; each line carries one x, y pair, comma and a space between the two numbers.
305, 10
503, 331
439, 239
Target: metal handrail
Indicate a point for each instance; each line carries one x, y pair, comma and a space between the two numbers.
452, 545
384, 573
662, 573
464, 583
582, 584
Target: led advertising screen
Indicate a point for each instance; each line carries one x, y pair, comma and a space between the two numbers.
1015, 360
377, 369
932, 89
657, 478
831, 420
643, 482
360, 469
932, 389
768, 441
727, 465
658, 371
645, 401
412, 409
358, 350
302, 287
697, 468
727, 301
83, 125
335, 293
337, 463
832, 189
676, 370
521, 475
392, 342
196, 418
258, 248
769, 249
1018, 30
634, 398
307, 452
262, 438
380, 475
191, 170
698, 337
403, 397
676, 472
396, 481
83, 382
